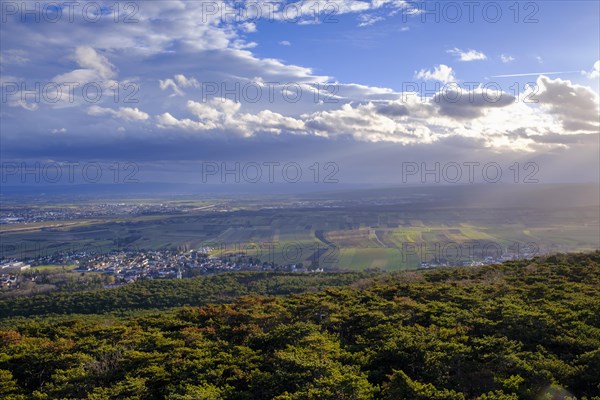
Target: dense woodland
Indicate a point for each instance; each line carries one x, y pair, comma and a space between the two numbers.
165, 293
520, 330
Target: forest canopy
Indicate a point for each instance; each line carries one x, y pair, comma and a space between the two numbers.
521, 330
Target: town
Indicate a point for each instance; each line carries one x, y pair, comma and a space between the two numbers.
127, 266
20, 215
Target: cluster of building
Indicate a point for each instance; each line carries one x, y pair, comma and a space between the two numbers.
10, 271
129, 266
132, 265
17, 214
488, 260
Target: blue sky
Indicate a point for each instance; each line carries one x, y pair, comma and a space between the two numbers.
170, 60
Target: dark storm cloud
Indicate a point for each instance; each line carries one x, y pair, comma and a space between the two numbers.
462, 104
392, 110
575, 105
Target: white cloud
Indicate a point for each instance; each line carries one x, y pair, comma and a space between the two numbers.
170, 83
27, 106
20, 100
469, 55
166, 120
285, 43
96, 69
368, 19
595, 73
248, 27
174, 37
59, 130
13, 57
131, 114
179, 81
492, 119
506, 58
125, 113
186, 82
88, 58
215, 110
442, 73
224, 115
366, 122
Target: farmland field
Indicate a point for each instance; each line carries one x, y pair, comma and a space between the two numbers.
389, 229
374, 237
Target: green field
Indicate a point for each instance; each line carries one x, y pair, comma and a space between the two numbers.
383, 237
53, 267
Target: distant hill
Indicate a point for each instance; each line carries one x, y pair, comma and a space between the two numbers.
450, 195
479, 195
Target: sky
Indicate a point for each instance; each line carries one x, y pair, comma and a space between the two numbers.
354, 92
